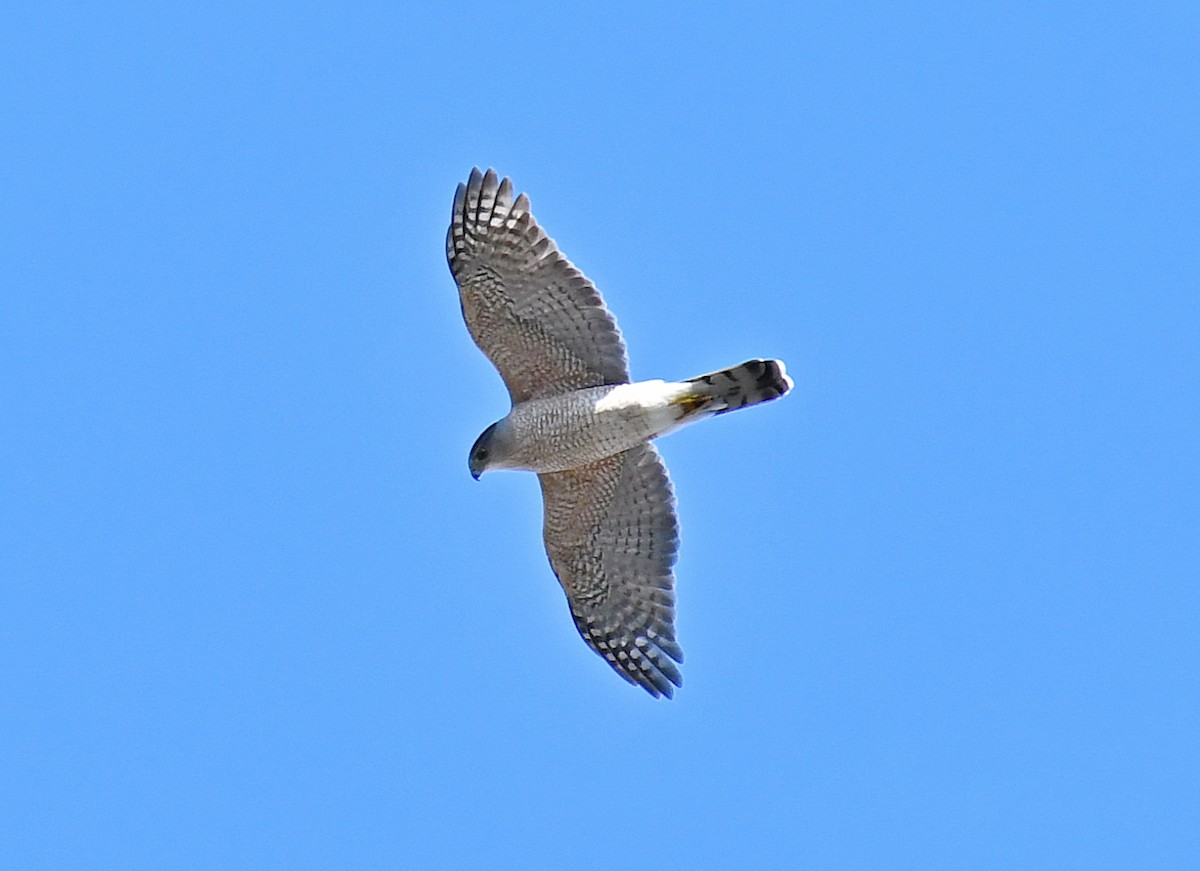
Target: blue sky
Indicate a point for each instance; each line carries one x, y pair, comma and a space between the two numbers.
939, 606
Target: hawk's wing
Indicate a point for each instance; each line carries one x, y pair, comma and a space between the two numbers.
611, 536
535, 316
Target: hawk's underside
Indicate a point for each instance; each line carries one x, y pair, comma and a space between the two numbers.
610, 530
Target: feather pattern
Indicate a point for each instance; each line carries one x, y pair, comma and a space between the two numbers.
536, 317
612, 537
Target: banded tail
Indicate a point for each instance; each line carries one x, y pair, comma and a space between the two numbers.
749, 383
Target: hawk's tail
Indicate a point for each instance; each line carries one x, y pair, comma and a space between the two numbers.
749, 383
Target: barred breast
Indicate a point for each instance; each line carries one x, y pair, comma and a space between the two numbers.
580, 427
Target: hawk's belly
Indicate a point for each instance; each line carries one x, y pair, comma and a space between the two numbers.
581, 427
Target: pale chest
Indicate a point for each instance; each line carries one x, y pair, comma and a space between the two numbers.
571, 430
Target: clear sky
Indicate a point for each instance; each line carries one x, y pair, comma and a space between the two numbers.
940, 606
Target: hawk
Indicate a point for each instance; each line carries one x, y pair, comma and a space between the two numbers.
584, 427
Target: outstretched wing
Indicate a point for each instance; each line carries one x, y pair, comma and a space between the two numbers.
611, 536
536, 317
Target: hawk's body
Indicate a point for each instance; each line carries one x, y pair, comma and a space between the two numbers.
556, 433
610, 529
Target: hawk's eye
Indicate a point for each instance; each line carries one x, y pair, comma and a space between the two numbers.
481, 453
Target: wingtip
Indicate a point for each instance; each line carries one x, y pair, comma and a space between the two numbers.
662, 686
505, 193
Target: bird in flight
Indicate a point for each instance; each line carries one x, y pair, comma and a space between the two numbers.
584, 427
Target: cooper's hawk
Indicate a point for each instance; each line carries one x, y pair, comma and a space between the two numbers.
577, 421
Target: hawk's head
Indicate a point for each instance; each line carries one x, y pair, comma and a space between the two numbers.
483, 452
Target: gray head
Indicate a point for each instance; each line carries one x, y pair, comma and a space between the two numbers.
485, 453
